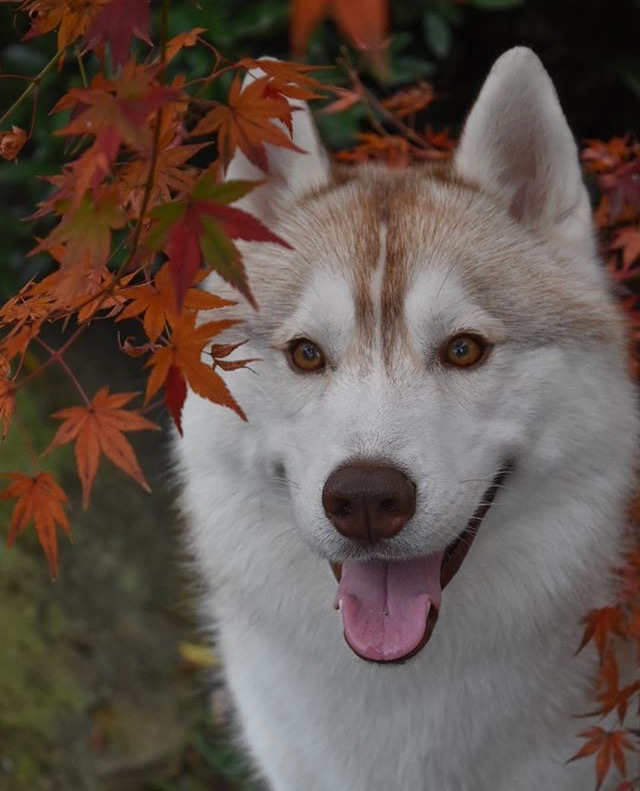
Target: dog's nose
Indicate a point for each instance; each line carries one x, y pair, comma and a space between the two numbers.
368, 503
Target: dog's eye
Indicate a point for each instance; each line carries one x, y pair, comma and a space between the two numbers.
464, 350
306, 356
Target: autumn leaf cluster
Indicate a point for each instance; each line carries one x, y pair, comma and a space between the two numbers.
138, 217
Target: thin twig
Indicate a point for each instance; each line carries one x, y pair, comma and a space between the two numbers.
33, 84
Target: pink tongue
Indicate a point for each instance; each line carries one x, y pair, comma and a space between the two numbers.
385, 605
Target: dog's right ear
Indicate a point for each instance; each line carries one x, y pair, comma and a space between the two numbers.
517, 144
291, 173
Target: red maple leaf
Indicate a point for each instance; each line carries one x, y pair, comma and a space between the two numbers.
121, 106
200, 228
116, 24
627, 239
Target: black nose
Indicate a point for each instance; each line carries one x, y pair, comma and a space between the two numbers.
368, 502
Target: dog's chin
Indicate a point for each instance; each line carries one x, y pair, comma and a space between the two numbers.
390, 607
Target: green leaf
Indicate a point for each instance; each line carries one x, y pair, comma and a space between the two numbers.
222, 191
165, 216
437, 34
220, 253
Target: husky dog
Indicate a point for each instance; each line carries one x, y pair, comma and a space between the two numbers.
429, 493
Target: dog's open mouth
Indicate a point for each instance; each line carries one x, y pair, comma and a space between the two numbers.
390, 608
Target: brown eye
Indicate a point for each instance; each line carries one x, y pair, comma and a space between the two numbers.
306, 355
464, 350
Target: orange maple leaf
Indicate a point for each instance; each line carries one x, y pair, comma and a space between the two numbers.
120, 106
71, 17
408, 101
99, 428
11, 142
179, 362
41, 499
7, 404
188, 39
606, 746
157, 303
248, 122
363, 22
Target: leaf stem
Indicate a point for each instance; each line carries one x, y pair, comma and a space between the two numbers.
34, 82
57, 356
53, 357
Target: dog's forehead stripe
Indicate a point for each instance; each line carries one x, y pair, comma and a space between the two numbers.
379, 268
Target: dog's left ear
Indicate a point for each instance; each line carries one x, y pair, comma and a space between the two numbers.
516, 144
291, 173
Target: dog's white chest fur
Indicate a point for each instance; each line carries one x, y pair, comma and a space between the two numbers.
389, 273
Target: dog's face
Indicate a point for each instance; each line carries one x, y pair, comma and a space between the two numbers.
425, 336
409, 340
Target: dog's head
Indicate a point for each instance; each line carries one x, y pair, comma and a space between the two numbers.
431, 335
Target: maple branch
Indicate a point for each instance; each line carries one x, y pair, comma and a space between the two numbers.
371, 103
34, 83
155, 151
57, 356
34, 459
81, 68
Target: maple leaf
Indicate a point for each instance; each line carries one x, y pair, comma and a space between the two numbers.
26, 312
175, 393
71, 17
220, 351
623, 187
100, 428
11, 143
394, 150
600, 624
39, 499
83, 235
286, 78
188, 39
157, 303
606, 746
247, 122
363, 22
183, 354
199, 229
409, 101
122, 106
7, 396
116, 24
627, 239
602, 156
346, 99
440, 140
171, 175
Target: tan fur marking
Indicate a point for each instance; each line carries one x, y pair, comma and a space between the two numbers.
433, 217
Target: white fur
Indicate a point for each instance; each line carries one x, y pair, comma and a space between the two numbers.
490, 703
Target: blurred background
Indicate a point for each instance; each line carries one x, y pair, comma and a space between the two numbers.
105, 680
